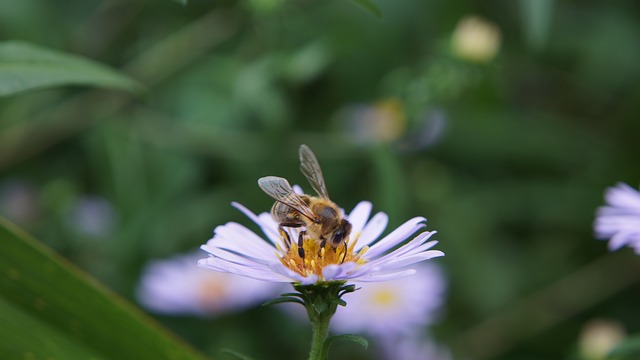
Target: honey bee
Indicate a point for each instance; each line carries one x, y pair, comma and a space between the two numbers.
321, 217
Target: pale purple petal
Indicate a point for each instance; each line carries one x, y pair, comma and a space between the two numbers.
372, 230
384, 276
338, 271
285, 271
619, 221
397, 236
270, 231
242, 240
359, 216
220, 265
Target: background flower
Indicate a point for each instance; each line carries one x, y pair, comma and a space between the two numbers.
177, 286
397, 306
395, 314
620, 219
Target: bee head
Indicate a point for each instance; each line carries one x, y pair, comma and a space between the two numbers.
341, 234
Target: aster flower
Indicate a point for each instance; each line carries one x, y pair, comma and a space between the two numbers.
395, 307
395, 312
620, 219
330, 250
237, 250
177, 286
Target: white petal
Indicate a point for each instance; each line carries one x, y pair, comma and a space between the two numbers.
414, 246
269, 230
224, 266
359, 216
294, 276
384, 276
337, 271
623, 195
406, 261
397, 236
242, 239
240, 259
618, 240
372, 230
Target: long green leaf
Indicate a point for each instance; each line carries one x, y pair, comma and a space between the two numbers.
25, 66
48, 306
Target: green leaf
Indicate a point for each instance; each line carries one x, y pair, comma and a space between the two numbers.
628, 349
25, 66
351, 337
370, 6
181, 2
50, 309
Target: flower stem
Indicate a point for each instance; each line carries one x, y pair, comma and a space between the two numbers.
321, 301
320, 332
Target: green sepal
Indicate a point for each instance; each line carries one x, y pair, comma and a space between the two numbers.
284, 299
339, 302
292, 294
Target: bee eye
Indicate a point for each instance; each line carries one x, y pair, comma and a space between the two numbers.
338, 236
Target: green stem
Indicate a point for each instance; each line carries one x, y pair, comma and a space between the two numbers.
320, 332
321, 301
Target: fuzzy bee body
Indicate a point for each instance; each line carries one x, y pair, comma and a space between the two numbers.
321, 217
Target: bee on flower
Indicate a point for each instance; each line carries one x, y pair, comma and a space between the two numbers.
315, 246
310, 241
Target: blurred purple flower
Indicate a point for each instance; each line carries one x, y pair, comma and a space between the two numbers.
620, 219
370, 124
395, 313
92, 215
19, 202
177, 286
398, 306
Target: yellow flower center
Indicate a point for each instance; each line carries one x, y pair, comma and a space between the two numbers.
384, 298
316, 258
211, 292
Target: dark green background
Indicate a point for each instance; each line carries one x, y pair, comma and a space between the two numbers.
531, 139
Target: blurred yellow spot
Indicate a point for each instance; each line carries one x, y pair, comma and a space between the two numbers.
475, 39
599, 337
211, 292
384, 298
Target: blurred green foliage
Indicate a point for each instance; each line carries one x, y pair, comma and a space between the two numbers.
507, 158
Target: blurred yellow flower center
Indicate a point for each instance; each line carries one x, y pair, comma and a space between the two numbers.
211, 292
316, 258
384, 298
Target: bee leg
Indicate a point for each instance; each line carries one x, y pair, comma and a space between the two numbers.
322, 244
344, 256
285, 236
300, 243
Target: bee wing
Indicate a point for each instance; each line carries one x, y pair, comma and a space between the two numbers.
279, 189
311, 170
